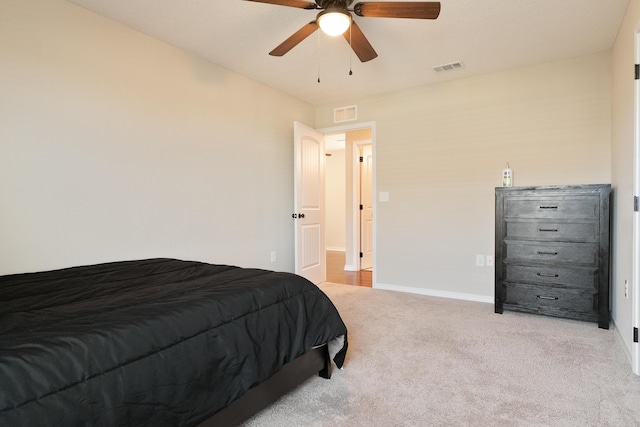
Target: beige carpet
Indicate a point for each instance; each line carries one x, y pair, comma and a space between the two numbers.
423, 361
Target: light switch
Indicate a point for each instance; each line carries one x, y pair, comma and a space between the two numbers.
383, 196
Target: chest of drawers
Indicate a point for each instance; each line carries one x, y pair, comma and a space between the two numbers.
552, 251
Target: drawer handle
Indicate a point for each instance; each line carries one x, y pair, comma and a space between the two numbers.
547, 253
546, 297
548, 207
546, 275
553, 230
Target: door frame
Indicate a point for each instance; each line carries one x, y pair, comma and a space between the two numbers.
357, 191
635, 238
356, 232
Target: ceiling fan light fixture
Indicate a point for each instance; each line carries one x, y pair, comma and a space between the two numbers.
334, 22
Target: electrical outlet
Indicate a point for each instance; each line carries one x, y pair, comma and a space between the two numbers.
489, 261
273, 256
479, 260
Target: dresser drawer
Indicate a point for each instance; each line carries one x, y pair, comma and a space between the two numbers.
556, 252
576, 277
552, 301
551, 207
552, 231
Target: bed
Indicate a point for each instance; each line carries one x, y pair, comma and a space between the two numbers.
158, 342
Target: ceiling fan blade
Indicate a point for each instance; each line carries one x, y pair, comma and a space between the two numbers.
415, 10
296, 38
301, 4
359, 43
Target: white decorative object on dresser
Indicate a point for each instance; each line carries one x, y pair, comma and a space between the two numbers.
552, 251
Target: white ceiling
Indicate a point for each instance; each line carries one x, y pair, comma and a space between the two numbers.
485, 35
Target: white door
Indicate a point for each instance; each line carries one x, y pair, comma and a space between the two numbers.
308, 213
366, 206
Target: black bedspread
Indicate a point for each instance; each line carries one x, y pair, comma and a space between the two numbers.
151, 342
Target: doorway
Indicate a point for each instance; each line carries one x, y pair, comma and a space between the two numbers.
350, 230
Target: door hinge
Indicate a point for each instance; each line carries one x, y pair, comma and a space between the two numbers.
637, 69
635, 334
361, 207
361, 255
361, 159
635, 203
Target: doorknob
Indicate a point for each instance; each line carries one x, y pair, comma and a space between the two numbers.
301, 215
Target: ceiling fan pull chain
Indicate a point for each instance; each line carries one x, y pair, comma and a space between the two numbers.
350, 47
318, 56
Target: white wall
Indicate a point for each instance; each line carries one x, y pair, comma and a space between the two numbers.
441, 149
114, 145
622, 171
335, 187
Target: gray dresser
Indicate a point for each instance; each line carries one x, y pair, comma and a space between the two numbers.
552, 251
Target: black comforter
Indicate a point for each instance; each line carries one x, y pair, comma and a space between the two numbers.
151, 342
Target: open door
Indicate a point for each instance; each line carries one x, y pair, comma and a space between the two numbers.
366, 206
310, 257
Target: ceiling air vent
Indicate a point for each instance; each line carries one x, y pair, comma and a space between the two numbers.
448, 67
345, 114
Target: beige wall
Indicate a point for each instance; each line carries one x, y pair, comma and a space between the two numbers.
440, 150
623, 58
114, 145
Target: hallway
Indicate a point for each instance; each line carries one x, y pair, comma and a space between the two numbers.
337, 274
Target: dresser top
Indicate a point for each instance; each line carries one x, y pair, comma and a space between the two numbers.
557, 187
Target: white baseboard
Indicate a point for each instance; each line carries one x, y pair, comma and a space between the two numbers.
623, 344
435, 293
350, 268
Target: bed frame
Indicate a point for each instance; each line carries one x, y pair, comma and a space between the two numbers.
291, 375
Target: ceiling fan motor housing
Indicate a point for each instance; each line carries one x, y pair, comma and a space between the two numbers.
338, 4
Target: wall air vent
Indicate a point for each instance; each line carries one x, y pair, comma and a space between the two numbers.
345, 114
448, 67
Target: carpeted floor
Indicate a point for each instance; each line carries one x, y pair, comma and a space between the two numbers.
422, 361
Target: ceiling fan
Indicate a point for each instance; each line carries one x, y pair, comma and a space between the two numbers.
335, 18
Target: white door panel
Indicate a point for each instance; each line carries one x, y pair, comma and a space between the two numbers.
311, 246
